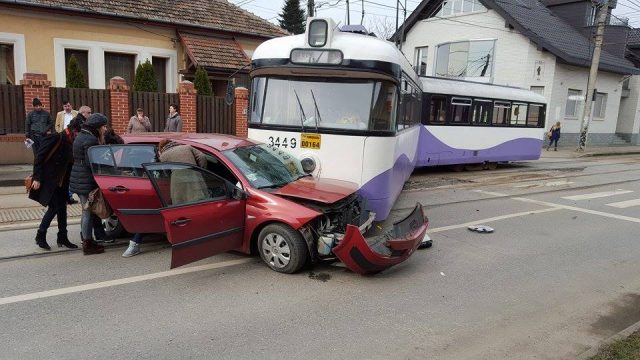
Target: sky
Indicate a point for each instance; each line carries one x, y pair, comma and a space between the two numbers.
378, 12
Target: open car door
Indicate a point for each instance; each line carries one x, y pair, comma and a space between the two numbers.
119, 173
203, 214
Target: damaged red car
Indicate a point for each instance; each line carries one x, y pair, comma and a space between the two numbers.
256, 199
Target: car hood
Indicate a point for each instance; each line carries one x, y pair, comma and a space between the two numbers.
321, 190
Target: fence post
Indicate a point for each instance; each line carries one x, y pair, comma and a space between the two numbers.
188, 106
119, 95
242, 107
36, 86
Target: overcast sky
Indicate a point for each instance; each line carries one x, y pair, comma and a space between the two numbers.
378, 11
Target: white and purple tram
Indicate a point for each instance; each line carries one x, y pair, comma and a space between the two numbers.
476, 123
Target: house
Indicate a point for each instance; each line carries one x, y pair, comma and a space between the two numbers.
109, 38
541, 45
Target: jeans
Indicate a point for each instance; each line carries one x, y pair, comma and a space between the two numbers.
86, 225
551, 141
137, 238
57, 207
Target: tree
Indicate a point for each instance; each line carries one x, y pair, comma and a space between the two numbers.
75, 77
292, 18
145, 78
202, 83
382, 27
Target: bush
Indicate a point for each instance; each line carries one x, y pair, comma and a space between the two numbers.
202, 83
145, 78
75, 77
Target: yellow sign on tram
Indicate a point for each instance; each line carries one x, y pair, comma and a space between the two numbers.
310, 141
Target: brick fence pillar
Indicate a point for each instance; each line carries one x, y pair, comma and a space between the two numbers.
36, 86
242, 108
119, 94
188, 97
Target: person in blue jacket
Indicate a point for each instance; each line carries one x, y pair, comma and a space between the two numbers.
554, 136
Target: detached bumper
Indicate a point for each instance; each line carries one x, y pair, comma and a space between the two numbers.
367, 256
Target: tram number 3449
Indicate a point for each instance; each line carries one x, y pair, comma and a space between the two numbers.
284, 142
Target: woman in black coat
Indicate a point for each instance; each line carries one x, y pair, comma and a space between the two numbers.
51, 171
82, 181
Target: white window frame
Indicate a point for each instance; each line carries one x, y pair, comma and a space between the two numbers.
576, 109
477, 7
418, 55
19, 53
603, 107
488, 79
96, 51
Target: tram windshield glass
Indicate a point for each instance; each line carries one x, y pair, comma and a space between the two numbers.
341, 104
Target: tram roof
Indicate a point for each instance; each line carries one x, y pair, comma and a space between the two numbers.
477, 89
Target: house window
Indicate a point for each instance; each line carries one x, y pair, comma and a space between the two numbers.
501, 112
117, 64
518, 114
7, 67
482, 111
438, 110
160, 69
459, 7
538, 90
421, 60
600, 106
82, 56
460, 110
469, 59
574, 97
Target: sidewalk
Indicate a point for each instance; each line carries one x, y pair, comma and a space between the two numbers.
590, 151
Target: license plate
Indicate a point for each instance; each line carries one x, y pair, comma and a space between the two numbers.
310, 141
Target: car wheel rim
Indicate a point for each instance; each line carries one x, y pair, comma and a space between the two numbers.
110, 223
275, 249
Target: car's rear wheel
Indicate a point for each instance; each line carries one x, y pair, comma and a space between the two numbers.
113, 228
282, 248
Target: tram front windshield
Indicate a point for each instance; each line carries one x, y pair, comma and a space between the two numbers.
339, 104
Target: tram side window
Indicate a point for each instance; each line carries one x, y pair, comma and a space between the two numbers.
383, 114
482, 111
257, 99
535, 116
438, 109
518, 114
501, 112
460, 110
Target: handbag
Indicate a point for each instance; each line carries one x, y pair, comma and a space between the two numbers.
28, 181
98, 205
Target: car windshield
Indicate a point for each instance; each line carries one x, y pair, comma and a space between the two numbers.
266, 166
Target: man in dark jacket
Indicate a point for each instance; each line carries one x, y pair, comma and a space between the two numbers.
38, 123
51, 171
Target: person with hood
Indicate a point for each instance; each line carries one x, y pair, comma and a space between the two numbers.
82, 181
174, 121
37, 124
51, 173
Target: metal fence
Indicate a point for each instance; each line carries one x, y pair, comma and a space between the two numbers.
12, 114
98, 100
215, 116
155, 106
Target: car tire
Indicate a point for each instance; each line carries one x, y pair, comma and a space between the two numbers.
282, 248
113, 228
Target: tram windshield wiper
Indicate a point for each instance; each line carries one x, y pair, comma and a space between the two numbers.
318, 118
303, 118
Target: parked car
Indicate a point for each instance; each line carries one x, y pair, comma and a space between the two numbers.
257, 198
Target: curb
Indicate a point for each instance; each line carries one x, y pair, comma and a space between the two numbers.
619, 336
609, 154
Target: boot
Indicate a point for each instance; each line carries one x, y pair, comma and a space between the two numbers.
90, 247
41, 240
63, 240
132, 250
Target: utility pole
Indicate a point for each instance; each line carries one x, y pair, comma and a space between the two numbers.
587, 115
310, 8
362, 18
348, 16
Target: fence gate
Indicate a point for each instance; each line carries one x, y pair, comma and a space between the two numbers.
98, 100
12, 114
215, 116
155, 106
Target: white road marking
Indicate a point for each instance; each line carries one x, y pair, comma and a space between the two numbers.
574, 208
625, 204
496, 218
490, 193
547, 184
597, 195
117, 282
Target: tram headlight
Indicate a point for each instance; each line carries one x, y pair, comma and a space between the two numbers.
308, 165
318, 31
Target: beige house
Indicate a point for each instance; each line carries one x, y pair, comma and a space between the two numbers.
110, 38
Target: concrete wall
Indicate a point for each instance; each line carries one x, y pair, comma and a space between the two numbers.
629, 116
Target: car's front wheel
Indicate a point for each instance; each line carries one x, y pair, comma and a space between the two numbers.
282, 248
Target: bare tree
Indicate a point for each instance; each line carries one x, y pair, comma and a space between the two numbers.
383, 27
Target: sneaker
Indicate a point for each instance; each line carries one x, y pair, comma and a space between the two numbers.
132, 250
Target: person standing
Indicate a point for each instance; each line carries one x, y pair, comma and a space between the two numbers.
51, 172
554, 136
64, 117
83, 114
37, 124
82, 181
139, 123
174, 121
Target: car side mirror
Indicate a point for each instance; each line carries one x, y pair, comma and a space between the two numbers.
238, 193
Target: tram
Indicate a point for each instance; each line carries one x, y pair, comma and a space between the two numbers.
347, 104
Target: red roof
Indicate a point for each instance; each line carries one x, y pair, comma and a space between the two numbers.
214, 52
219, 142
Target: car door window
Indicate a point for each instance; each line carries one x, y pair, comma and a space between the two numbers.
121, 160
183, 184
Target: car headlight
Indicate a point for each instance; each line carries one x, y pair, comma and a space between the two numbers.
308, 165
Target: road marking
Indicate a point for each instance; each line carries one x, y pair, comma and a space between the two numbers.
597, 195
625, 204
490, 193
123, 281
574, 208
496, 218
549, 184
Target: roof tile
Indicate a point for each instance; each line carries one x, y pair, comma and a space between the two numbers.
214, 52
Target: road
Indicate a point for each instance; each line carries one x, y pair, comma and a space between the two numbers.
558, 275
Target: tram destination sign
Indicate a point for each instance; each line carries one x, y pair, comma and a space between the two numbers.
310, 141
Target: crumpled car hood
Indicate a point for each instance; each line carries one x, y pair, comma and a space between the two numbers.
325, 191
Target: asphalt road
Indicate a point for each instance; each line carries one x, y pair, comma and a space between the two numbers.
559, 274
